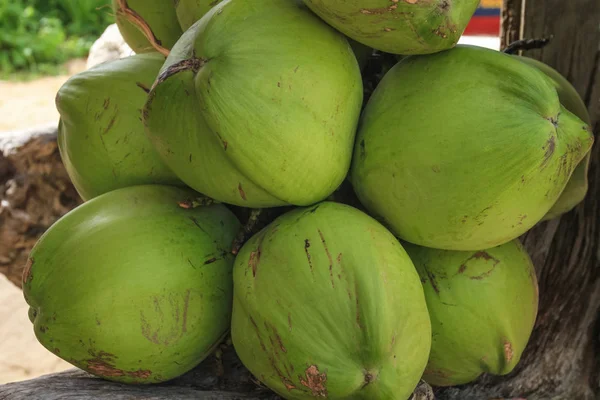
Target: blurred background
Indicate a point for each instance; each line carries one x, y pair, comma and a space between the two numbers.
42, 44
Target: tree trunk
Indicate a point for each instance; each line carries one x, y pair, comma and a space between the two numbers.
562, 360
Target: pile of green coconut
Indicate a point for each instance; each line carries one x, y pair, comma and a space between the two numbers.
334, 185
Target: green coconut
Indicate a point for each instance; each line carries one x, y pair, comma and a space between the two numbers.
190, 11
567, 94
131, 287
399, 26
465, 149
254, 115
577, 188
147, 23
328, 304
101, 136
483, 306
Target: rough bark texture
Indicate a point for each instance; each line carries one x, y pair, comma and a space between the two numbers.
562, 360
511, 22
34, 192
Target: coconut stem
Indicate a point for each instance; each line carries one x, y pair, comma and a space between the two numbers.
527, 44
137, 20
247, 230
219, 356
423, 392
199, 201
189, 64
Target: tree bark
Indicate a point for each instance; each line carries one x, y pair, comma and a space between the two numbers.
35, 191
511, 22
562, 360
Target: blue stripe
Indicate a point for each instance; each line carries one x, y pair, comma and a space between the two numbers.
487, 12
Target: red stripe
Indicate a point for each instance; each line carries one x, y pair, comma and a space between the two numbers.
483, 26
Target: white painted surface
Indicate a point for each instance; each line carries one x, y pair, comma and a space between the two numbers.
491, 42
109, 46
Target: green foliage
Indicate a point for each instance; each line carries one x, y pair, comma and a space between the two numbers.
36, 35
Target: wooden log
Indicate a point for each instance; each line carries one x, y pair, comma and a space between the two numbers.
204, 382
214, 379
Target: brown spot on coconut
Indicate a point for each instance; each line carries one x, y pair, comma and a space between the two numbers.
27, 275
508, 351
315, 381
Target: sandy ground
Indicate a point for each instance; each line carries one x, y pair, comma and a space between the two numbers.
25, 105
21, 355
